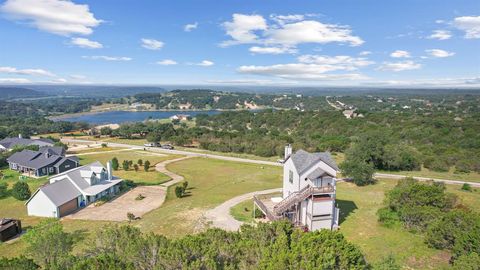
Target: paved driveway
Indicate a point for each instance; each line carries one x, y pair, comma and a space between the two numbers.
117, 209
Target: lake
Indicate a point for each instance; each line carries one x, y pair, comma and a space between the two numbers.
119, 117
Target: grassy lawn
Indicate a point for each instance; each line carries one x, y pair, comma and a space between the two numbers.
424, 172
96, 150
358, 207
211, 182
152, 177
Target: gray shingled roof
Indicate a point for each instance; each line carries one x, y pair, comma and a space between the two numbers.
35, 159
317, 173
304, 160
52, 150
75, 174
14, 141
60, 192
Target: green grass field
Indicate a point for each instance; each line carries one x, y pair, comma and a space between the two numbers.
152, 177
211, 182
358, 207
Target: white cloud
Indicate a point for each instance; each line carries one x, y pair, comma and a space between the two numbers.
282, 19
191, 26
152, 44
312, 68
15, 80
365, 53
86, 43
400, 54
311, 32
32, 72
469, 24
241, 28
107, 58
400, 66
440, 35
205, 63
59, 80
61, 17
340, 62
78, 77
439, 53
271, 50
285, 31
167, 62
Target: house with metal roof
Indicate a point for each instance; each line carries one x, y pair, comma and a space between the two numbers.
309, 191
10, 143
47, 161
72, 190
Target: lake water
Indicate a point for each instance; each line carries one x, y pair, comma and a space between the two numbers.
119, 117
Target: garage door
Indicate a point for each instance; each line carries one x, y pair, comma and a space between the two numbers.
68, 207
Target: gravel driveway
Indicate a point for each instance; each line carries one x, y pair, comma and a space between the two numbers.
117, 209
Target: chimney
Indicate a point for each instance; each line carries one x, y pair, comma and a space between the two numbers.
288, 150
109, 170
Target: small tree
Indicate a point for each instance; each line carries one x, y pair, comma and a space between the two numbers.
146, 165
125, 165
135, 167
21, 191
130, 163
360, 171
115, 163
130, 216
39, 241
179, 191
185, 185
140, 162
154, 137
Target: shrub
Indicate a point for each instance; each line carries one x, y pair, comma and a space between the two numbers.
467, 187
21, 191
130, 216
146, 165
125, 165
387, 217
104, 145
127, 184
179, 191
467, 262
3, 190
140, 162
115, 163
135, 167
185, 185
360, 171
388, 263
259, 214
18, 263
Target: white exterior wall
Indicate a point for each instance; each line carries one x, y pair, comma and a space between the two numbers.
321, 224
288, 187
41, 206
323, 208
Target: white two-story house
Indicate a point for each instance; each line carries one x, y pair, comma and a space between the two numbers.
72, 190
308, 195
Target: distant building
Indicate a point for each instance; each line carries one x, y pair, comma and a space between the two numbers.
72, 190
349, 114
309, 191
180, 117
46, 161
10, 143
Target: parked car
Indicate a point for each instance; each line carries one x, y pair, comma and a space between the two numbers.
9, 228
167, 146
152, 144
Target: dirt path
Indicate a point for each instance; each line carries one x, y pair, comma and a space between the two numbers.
161, 167
220, 216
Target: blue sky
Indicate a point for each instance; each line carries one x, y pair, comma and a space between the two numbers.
268, 42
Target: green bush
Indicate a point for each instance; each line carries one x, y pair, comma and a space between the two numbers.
467, 262
18, 263
127, 184
146, 165
179, 191
21, 191
387, 217
388, 263
115, 163
467, 187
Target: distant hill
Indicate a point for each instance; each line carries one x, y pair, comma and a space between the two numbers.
95, 91
18, 92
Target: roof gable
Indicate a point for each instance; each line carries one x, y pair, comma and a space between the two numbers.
302, 160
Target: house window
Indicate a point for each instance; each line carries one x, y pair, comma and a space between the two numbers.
290, 176
50, 170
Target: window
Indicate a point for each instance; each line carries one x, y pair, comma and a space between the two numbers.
50, 170
290, 176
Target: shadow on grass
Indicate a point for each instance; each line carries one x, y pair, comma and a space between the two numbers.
346, 207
